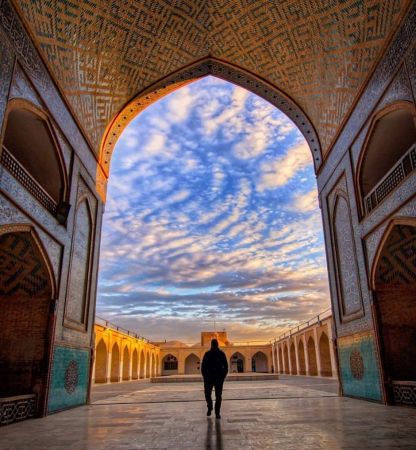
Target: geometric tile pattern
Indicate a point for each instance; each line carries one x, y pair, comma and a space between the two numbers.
69, 378
404, 393
102, 53
17, 409
358, 366
397, 263
22, 267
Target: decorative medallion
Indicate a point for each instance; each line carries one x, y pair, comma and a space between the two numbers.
71, 377
357, 365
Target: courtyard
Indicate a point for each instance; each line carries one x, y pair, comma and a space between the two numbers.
289, 413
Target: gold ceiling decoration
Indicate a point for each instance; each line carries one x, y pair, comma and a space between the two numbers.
319, 53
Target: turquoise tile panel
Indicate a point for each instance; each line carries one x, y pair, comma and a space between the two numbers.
69, 378
359, 369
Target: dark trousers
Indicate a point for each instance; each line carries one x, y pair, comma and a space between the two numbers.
217, 385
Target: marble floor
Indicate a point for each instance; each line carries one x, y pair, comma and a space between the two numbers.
291, 413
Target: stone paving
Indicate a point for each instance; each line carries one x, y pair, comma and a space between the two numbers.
292, 413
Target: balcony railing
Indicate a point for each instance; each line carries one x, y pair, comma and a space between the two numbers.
105, 323
302, 326
10, 163
391, 180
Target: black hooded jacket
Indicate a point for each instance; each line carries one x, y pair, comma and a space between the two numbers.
214, 365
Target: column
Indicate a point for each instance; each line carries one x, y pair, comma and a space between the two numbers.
273, 359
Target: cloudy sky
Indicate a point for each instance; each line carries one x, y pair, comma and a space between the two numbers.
212, 214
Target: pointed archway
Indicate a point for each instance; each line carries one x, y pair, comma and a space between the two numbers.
312, 362
192, 363
115, 364
101, 357
135, 365
325, 356
27, 289
394, 286
301, 355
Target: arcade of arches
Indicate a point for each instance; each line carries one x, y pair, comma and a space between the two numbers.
73, 77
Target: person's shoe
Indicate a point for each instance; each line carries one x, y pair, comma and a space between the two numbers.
209, 412
217, 415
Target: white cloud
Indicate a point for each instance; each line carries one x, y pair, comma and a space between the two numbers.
278, 173
305, 203
179, 106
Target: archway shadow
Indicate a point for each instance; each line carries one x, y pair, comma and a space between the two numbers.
217, 444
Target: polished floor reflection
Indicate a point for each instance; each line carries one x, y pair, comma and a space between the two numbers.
292, 413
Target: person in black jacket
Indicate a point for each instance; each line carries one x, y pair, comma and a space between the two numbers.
214, 370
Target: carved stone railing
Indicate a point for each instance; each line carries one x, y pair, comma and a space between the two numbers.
391, 180
23, 177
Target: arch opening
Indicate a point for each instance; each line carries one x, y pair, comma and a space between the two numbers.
32, 154
142, 368
126, 364
26, 292
169, 365
135, 365
293, 365
301, 355
325, 355
101, 363
115, 364
281, 370
312, 361
389, 155
237, 363
286, 360
395, 287
192, 364
148, 367
259, 363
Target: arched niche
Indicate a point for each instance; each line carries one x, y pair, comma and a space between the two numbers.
169, 365
347, 275
394, 287
192, 364
101, 362
31, 153
388, 155
77, 298
237, 363
259, 363
27, 289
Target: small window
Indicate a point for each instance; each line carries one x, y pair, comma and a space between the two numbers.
389, 156
30, 153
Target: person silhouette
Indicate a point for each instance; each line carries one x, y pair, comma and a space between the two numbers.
214, 370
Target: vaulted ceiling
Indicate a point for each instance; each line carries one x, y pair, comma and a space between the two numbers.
320, 52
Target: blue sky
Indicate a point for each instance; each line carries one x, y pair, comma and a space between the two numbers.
211, 213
